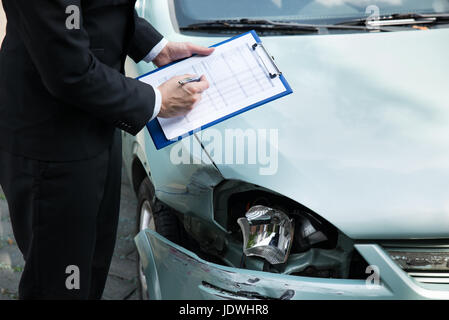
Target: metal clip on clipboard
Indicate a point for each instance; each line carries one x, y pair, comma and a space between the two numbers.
271, 58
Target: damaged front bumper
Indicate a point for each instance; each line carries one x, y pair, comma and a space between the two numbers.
175, 273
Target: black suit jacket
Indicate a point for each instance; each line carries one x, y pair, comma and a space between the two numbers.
62, 92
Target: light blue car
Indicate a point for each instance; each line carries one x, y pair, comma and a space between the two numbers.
337, 191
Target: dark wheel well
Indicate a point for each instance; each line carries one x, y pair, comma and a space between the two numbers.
166, 222
138, 174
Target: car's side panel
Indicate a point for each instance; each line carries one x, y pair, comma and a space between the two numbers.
186, 187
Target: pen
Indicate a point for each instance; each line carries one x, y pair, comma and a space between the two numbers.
188, 80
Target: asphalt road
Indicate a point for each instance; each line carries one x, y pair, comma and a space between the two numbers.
122, 279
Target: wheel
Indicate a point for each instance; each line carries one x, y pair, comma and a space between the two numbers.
154, 216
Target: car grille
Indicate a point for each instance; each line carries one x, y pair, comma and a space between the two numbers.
427, 262
430, 277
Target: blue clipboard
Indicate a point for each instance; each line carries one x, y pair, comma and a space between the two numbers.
155, 129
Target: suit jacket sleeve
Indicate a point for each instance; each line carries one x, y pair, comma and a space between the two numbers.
144, 39
71, 72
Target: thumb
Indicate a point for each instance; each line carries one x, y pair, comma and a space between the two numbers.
195, 49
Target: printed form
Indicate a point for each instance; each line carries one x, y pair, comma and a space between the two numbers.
238, 78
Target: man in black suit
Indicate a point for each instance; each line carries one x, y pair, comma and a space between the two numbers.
63, 95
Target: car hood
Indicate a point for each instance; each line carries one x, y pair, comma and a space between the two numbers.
364, 139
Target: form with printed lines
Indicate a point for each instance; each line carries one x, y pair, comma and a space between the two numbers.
238, 76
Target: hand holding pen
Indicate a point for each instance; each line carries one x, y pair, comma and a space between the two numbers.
185, 93
189, 80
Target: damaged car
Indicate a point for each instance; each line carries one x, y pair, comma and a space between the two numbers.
338, 191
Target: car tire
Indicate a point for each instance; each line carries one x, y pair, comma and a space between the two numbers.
153, 215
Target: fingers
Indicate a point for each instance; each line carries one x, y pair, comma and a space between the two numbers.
181, 99
195, 49
198, 87
186, 76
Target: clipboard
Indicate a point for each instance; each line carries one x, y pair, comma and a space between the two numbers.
154, 127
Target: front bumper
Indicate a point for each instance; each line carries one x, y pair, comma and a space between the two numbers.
175, 273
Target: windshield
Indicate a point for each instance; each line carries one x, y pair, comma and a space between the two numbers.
303, 11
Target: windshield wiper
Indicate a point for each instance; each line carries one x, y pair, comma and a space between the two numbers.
250, 24
399, 19
268, 25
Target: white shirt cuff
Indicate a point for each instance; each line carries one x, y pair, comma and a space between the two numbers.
156, 50
157, 103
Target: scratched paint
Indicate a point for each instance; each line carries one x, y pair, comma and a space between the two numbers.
183, 275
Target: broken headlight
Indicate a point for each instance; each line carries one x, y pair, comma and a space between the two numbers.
267, 233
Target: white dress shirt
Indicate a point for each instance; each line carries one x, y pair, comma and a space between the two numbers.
150, 57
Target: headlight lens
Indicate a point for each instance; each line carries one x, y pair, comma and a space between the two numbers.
267, 233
